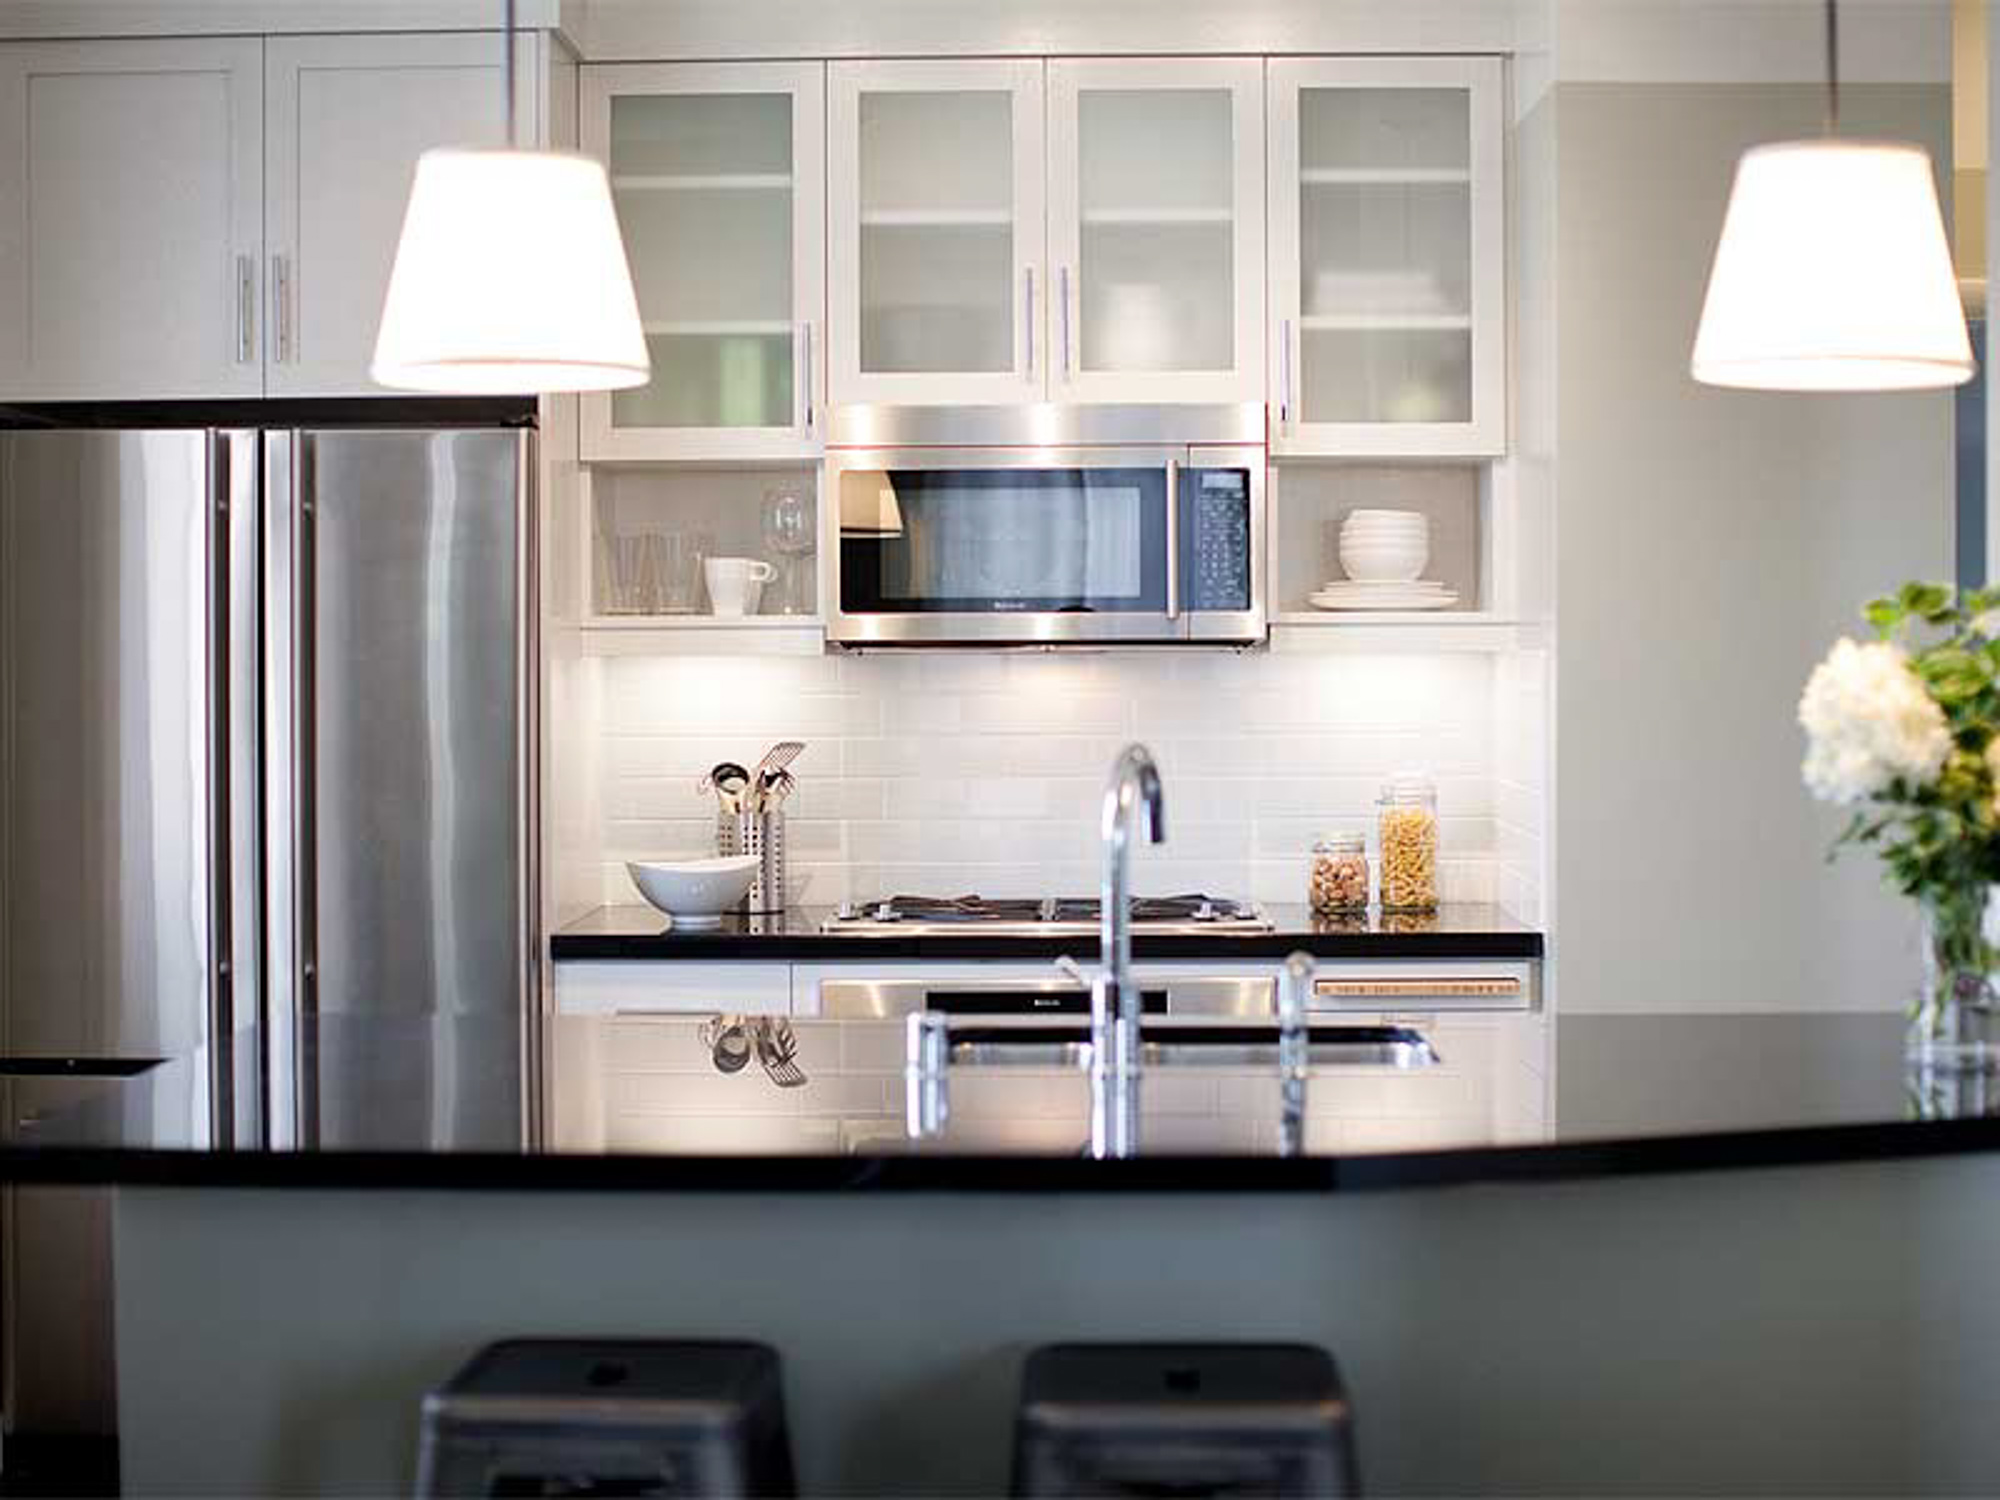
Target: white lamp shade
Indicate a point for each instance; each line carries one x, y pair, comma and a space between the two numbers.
510, 278
1833, 274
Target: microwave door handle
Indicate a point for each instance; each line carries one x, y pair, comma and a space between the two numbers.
1173, 539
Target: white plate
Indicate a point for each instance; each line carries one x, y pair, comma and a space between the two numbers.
1375, 601
1361, 585
1414, 601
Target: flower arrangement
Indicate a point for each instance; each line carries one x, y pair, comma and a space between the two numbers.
1906, 729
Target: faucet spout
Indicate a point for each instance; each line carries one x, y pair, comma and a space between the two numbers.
1115, 1008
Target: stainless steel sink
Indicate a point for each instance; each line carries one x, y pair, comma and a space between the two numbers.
1192, 1046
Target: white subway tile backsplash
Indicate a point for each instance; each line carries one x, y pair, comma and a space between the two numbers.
946, 771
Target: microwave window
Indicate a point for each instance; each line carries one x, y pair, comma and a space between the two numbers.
1003, 541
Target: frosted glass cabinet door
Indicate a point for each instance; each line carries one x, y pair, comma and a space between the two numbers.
1156, 229
1388, 275
131, 206
718, 172
936, 217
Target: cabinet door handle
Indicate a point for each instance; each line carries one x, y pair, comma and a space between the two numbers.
1028, 315
246, 309
1062, 299
281, 305
1285, 372
806, 347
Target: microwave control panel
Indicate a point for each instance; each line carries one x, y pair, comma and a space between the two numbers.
1215, 520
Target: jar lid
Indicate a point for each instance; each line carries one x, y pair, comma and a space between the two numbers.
1344, 842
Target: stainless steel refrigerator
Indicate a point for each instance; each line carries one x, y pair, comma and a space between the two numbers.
266, 756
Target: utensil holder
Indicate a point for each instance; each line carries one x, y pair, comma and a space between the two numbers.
761, 834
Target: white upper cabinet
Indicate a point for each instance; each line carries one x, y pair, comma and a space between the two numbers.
1156, 229
719, 173
937, 232
347, 118
131, 208
1388, 280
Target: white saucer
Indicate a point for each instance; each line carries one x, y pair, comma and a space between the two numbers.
1418, 599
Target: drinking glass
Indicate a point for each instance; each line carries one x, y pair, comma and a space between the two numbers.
788, 533
678, 557
630, 582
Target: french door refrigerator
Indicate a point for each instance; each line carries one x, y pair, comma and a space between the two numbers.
266, 760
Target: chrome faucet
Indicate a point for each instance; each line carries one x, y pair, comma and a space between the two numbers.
1115, 1007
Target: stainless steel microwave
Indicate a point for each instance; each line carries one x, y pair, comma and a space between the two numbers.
1046, 544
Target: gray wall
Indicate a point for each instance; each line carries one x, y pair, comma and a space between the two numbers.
1820, 1330
1711, 546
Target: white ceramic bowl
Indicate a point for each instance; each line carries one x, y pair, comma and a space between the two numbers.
1380, 529
695, 892
1384, 539
1374, 539
1387, 515
1384, 562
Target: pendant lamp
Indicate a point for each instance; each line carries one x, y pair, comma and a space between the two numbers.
1832, 272
510, 277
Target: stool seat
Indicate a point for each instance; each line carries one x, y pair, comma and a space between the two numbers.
1183, 1420
601, 1417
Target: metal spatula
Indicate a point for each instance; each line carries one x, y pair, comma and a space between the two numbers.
778, 1051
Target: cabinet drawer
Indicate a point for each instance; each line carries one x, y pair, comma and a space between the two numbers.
641, 985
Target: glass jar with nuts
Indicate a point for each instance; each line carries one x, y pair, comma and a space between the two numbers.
1407, 819
1340, 873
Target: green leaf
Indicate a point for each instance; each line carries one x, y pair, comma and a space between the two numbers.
1884, 614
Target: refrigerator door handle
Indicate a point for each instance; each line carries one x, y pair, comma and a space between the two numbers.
288, 862
235, 776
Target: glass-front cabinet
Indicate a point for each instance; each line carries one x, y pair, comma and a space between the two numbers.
1387, 277
938, 234
1156, 229
718, 171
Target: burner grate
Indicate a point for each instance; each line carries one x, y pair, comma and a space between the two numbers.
972, 910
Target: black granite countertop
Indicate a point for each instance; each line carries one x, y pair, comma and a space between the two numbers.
1456, 931
634, 1104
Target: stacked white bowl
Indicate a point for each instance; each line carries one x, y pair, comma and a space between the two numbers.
1385, 546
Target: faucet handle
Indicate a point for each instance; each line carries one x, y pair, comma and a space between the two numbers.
1073, 971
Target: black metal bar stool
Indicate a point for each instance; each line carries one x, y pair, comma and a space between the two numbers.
1183, 1420
605, 1417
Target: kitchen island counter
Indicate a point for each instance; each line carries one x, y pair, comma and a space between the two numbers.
1463, 930
636, 1103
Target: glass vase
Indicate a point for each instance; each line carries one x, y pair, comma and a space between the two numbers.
1950, 1020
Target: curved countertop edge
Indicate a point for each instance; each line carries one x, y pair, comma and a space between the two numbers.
595, 947
1464, 931
496, 1171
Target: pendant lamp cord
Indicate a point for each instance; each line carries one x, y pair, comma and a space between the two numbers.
1832, 66
513, 143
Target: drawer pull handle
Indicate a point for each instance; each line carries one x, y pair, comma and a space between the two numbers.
1400, 989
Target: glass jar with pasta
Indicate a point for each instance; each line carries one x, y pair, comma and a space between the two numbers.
1408, 831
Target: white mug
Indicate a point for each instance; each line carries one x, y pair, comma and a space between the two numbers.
736, 583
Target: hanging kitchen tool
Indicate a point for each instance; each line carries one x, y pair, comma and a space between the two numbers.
778, 1051
729, 1043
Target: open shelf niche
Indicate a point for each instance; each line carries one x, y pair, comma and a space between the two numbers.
1470, 534
671, 514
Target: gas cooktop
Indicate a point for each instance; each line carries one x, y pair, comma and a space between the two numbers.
1050, 916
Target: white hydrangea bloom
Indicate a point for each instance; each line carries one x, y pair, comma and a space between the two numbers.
1868, 719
